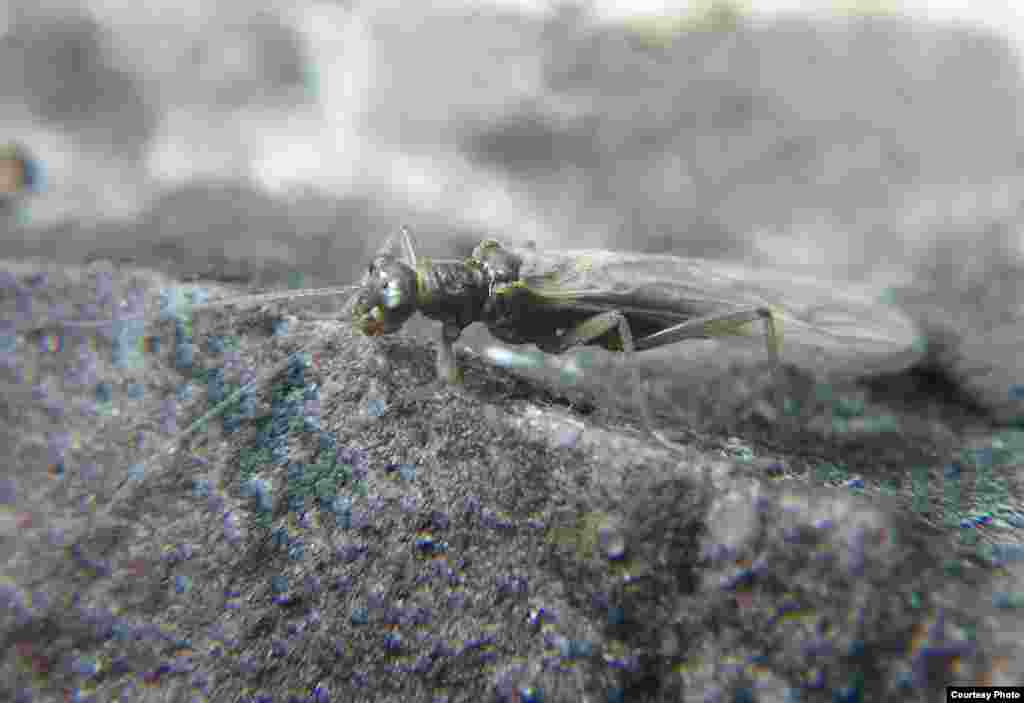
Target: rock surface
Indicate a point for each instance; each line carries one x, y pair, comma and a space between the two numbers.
370, 536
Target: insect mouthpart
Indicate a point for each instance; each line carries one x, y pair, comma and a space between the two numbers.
368, 317
387, 301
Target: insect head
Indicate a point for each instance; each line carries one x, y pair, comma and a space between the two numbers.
387, 297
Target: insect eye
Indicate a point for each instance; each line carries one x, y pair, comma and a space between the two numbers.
391, 295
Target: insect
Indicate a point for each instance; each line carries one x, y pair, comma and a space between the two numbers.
627, 303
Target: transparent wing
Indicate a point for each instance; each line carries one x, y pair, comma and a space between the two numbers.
832, 328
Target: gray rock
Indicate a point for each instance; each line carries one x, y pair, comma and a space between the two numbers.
540, 541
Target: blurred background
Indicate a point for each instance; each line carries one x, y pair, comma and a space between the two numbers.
877, 142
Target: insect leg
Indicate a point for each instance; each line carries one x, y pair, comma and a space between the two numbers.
718, 325
594, 328
448, 370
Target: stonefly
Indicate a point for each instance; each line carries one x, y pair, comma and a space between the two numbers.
623, 302
626, 302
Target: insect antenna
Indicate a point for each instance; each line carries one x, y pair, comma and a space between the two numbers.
141, 472
243, 301
402, 245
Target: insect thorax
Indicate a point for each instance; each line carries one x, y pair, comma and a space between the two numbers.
454, 292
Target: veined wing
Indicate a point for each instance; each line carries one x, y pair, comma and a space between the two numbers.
832, 328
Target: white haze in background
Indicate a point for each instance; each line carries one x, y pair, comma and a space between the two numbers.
1004, 16
336, 144
325, 145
